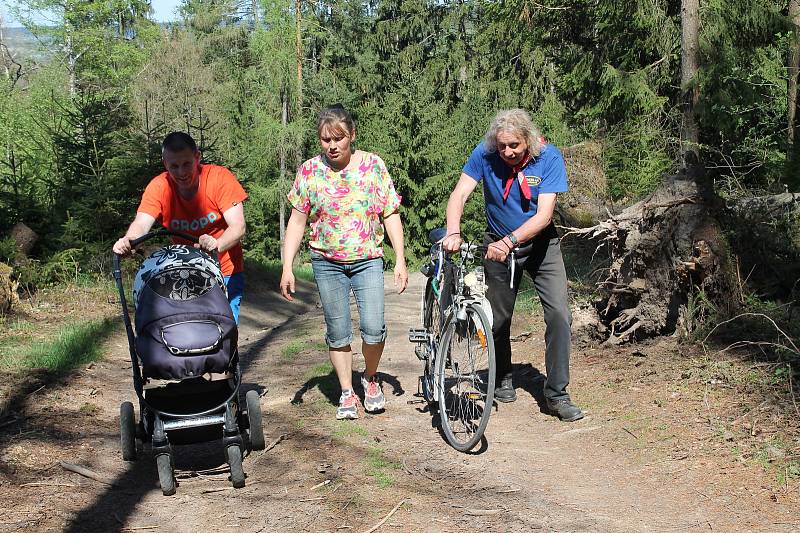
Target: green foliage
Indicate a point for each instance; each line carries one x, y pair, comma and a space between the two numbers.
744, 87
699, 315
423, 78
8, 250
75, 345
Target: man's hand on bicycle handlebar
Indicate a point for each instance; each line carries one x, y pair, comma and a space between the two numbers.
452, 242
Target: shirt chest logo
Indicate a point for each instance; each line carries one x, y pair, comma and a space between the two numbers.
177, 224
533, 181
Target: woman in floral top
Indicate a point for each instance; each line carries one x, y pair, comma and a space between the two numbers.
350, 199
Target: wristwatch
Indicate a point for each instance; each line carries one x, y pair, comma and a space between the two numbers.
513, 239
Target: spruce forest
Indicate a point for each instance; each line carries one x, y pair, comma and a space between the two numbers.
616, 85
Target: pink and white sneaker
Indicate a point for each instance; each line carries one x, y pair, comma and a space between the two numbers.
348, 406
374, 400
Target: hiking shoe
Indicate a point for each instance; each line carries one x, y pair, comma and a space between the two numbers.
505, 392
348, 406
374, 399
565, 410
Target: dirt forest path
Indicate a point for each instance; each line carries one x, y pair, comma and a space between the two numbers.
646, 458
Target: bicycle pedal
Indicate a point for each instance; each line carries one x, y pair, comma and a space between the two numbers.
418, 335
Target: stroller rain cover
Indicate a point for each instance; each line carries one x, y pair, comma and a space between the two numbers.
184, 324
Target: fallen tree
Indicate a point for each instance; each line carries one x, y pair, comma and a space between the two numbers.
661, 249
668, 252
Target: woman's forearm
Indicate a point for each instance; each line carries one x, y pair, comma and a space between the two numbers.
394, 230
293, 237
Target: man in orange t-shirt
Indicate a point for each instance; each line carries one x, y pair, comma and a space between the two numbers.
199, 199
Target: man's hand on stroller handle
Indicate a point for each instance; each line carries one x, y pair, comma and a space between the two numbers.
207, 243
123, 247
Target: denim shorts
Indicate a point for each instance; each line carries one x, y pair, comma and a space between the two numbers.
235, 285
335, 281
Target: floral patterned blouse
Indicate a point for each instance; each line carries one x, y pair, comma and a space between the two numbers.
346, 208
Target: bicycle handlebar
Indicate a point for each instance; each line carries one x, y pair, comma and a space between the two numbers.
466, 249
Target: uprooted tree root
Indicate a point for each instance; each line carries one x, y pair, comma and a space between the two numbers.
662, 249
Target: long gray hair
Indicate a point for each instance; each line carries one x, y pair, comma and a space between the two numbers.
517, 122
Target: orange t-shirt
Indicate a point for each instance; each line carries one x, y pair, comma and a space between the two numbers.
218, 191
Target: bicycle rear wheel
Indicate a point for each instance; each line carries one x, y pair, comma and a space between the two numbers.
465, 377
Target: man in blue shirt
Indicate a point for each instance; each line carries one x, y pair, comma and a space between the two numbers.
521, 178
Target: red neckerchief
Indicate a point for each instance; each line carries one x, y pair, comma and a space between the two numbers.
523, 183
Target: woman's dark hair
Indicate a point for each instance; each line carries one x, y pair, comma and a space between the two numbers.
337, 117
178, 141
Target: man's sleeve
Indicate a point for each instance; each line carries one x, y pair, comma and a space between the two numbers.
230, 192
555, 172
298, 195
152, 200
474, 166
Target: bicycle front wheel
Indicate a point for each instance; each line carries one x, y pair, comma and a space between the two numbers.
466, 378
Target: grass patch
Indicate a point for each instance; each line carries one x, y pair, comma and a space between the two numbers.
321, 370
272, 269
346, 428
527, 298
74, 345
293, 348
301, 345
379, 467
776, 457
89, 409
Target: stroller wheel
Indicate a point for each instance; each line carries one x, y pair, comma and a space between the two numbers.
254, 420
127, 431
234, 456
166, 477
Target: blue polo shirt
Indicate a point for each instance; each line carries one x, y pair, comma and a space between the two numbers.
545, 173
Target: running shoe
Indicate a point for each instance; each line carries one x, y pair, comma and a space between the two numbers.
374, 399
348, 406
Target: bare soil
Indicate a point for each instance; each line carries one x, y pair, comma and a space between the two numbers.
674, 440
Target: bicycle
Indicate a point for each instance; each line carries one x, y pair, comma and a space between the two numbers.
455, 344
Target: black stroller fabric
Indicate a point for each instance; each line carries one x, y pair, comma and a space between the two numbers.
184, 336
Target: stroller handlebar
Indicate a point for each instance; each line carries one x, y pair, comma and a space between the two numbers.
162, 232
146, 237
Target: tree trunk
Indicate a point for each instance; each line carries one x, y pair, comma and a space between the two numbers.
298, 9
69, 50
793, 70
690, 90
282, 177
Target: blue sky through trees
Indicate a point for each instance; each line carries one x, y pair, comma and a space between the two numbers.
163, 11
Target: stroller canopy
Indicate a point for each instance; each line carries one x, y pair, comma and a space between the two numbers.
178, 272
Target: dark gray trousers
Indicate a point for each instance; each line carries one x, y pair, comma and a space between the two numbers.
543, 261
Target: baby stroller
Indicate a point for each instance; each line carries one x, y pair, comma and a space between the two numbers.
185, 361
